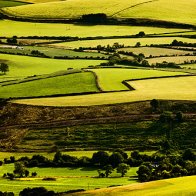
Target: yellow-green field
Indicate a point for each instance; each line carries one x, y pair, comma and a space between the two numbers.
182, 88
125, 41
55, 29
110, 79
181, 11
23, 66
171, 187
155, 51
66, 179
176, 59
72, 83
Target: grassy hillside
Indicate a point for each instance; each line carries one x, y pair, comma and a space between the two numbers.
177, 186
52, 29
176, 11
73, 83
10, 3
171, 89
66, 179
111, 79
23, 66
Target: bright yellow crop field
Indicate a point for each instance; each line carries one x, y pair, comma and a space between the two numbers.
181, 88
181, 11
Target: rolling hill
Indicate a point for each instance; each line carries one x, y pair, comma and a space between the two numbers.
180, 11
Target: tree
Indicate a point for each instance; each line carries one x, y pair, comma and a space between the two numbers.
123, 169
26, 173
19, 169
154, 104
34, 174
179, 117
138, 44
115, 159
144, 173
189, 155
166, 117
100, 158
108, 170
4, 68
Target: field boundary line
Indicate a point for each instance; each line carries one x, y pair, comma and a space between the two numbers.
136, 5
96, 79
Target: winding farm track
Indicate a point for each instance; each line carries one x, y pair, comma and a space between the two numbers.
136, 5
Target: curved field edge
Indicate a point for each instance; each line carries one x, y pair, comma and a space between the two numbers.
176, 186
181, 11
177, 88
113, 79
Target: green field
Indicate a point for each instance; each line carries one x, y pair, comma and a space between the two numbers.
23, 66
176, 59
189, 66
171, 89
66, 179
155, 51
171, 187
111, 79
125, 41
10, 3
51, 52
178, 11
82, 82
55, 29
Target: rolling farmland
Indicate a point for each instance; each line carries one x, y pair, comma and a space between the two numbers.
82, 82
125, 41
171, 89
155, 51
180, 11
177, 59
92, 92
111, 79
176, 186
23, 66
55, 29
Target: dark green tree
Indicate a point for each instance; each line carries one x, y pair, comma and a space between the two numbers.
123, 168
4, 68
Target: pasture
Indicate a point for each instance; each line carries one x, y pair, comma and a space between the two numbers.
54, 29
110, 79
175, 186
176, 59
66, 179
10, 3
23, 66
51, 52
125, 41
180, 11
171, 89
82, 82
155, 51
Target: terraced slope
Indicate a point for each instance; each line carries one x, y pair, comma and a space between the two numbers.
181, 11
